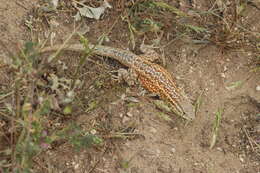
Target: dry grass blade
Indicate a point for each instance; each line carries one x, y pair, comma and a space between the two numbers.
199, 102
216, 125
55, 55
2, 97
249, 139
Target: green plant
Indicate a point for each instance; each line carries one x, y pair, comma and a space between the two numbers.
215, 128
30, 108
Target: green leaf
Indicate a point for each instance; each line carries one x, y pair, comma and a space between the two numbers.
29, 47
234, 85
67, 110
197, 29
125, 164
170, 8
92, 105
45, 108
216, 125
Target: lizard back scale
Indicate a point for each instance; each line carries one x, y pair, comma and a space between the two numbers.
152, 76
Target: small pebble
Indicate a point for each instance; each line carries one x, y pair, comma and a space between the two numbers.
241, 158
153, 130
225, 68
173, 150
223, 75
93, 131
129, 114
76, 166
125, 119
219, 149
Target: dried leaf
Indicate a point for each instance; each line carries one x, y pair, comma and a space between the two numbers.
90, 12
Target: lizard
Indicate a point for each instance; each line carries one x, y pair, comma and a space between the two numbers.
152, 76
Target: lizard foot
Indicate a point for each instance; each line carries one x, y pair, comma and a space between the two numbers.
128, 76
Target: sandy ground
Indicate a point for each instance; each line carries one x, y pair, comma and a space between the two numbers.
160, 146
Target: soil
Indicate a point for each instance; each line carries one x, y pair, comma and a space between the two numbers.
206, 73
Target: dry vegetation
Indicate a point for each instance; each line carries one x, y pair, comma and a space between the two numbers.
44, 97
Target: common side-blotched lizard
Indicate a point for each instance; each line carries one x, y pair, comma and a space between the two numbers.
152, 76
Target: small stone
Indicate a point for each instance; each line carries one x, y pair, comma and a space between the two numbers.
223, 75
196, 164
153, 130
76, 166
125, 119
225, 68
241, 158
173, 150
93, 131
219, 149
257, 88
129, 114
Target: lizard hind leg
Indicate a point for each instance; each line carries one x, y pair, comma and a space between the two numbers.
149, 53
129, 76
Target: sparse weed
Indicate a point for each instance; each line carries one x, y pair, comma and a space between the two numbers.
199, 102
215, 128
37, 93
222, 24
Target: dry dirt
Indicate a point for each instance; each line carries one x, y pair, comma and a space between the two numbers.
160, 146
